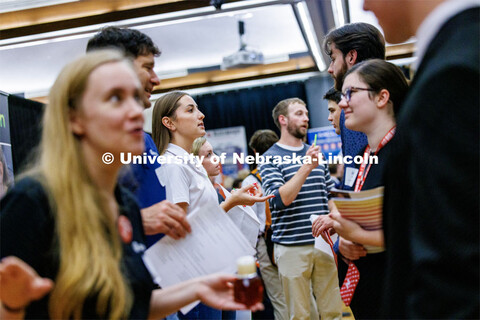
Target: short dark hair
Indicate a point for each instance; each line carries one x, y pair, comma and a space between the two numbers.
333, 95
379, 74
332, 167
262, 140
133, 42
361, 37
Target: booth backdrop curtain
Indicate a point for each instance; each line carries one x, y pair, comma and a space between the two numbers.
249, 107
25, 129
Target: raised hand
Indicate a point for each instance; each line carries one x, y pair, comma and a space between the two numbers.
20, 284
314, 153
247, 196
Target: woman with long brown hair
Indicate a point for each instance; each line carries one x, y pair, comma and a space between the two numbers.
176, 123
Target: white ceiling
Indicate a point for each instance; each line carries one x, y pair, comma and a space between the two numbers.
198, 42
194, 43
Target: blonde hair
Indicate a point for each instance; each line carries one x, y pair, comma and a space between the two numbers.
90, 249
165, 106
197, 145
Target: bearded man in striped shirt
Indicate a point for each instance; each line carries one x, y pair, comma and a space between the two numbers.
301, 189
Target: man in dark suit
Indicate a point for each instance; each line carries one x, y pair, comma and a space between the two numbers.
431, 211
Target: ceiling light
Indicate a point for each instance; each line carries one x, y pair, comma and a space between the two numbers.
338, 13
306, 26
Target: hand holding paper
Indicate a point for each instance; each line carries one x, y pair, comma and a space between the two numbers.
352, 231
321, 243
321, 224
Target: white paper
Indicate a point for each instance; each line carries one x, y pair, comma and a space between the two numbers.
246, 220
214, 245
320, 243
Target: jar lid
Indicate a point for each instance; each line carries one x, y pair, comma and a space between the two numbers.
246, 265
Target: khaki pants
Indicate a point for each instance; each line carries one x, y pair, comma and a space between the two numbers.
272, 281
302, 268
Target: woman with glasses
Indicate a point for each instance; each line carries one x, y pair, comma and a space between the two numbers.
373, 92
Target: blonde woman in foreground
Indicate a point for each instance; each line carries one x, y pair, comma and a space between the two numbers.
79, 234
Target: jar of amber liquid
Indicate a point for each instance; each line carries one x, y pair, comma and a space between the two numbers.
248, 288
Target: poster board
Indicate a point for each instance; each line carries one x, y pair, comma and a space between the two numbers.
229, 141
6, 161
329, 142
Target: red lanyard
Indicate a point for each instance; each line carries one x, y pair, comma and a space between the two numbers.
330, 243
363, 170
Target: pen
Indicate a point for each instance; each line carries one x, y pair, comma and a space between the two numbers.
315, 140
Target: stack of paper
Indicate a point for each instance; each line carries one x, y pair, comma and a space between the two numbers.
214, 245
245, 219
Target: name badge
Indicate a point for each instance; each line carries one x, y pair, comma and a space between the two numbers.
350, 176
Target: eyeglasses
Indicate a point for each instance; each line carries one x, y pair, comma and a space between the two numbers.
348, 92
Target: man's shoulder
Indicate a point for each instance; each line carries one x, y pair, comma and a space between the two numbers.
451, 58
455, 45
274, 150
279, 150
150, 147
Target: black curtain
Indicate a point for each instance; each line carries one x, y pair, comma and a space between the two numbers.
250, 107
25, 129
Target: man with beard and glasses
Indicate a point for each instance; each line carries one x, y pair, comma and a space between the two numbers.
301, 189
347, 46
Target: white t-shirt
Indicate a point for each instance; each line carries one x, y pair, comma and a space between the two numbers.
186, 181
